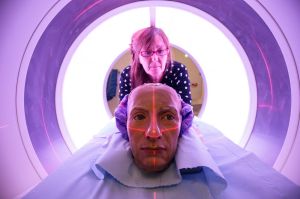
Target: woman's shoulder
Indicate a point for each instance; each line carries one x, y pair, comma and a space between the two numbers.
178, 69
177, 66
126, 69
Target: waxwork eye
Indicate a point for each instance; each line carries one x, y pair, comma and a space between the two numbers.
168, 117
139, 117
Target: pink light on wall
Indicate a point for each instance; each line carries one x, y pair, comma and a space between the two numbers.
87, 9
267, 65
47, 133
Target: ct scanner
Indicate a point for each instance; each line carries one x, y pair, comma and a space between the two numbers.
39, 40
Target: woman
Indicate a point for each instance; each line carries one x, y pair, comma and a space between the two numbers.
151, 63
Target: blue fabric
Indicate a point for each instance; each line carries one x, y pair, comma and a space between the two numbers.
111, 87
117, 158
104, 169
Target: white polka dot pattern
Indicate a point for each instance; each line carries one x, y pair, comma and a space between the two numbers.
179, 81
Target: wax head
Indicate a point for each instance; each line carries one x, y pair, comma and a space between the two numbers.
153, 125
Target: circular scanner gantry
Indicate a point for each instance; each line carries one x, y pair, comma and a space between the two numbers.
269, 66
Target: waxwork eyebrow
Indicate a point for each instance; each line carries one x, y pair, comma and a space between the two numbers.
168, 108
162, 109
138, 109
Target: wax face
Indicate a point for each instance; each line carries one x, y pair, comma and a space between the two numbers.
153, 126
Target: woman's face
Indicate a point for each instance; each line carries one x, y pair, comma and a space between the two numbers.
154, 59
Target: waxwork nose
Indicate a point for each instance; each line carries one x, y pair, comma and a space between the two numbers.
153, 132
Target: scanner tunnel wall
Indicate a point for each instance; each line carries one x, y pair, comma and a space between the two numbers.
35, 37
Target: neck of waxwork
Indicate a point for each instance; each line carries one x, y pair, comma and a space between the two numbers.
150, 170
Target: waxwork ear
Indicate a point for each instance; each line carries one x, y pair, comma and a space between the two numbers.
121, 117
187, 117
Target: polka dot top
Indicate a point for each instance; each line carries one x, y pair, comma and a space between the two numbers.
177, 77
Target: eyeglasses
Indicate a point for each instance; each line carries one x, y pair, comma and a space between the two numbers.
159, 52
